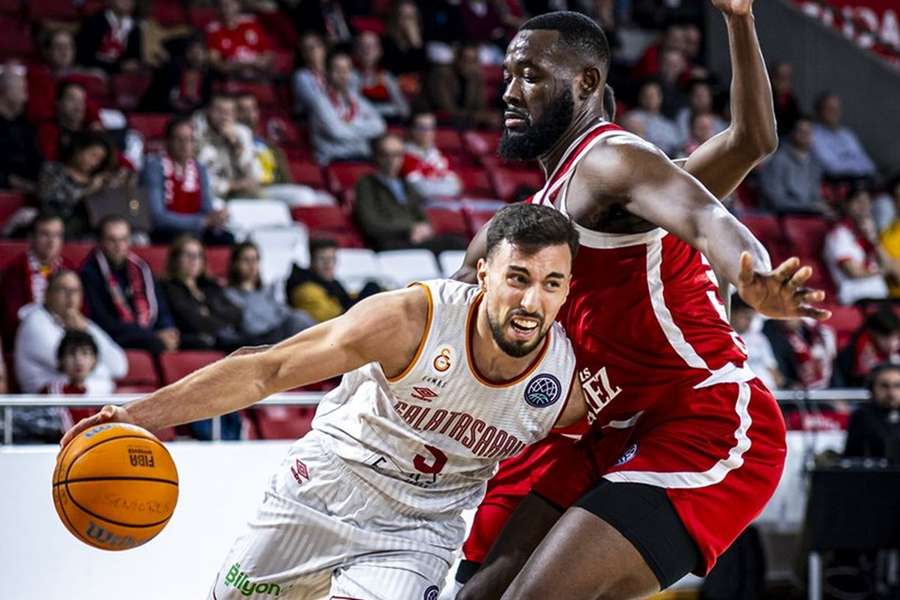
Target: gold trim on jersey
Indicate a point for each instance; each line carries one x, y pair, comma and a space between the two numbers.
422, 341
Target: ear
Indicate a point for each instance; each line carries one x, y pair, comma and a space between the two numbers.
590, 81
482, 274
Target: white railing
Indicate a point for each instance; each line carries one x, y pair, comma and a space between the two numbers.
10, 402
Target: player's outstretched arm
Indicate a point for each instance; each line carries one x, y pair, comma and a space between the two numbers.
653, 188
723, 161
385, 328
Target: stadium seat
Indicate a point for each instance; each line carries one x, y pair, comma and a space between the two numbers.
168, 12
279, 248
451, 261
128, 89
845, 320
263, 92
15, 39
151, 126
804, 237
201, 16
281, 422
449, 221
53, 10
508, 182
322, 218
10, 202
476, 183
155, 256
10, 7
479, 213
448, 140
217, 261
481, 143
768, 231
343, 176
307, 173
9, 249
356, 266
77, 252
175, 365
402, 267
141, 371
246, 215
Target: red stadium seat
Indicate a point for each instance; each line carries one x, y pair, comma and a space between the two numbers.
52, 10
10, 7
344, 239
151, 126
767, 230
343, 176
476, 183
10, 202
481, 143
154, 256
448, 221
217, 258
263, 92
845, 320
201, 16
9, 249
508, 182
322, 218
477, 215
128, 89
307, 173
804, 237
15, 39
282, 422
448, 140
77, 252
141, 371
175, 365
168, 12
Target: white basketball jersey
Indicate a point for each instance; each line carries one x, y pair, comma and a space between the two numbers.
431, 437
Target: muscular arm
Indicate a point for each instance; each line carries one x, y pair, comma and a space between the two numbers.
723, 161
385, 328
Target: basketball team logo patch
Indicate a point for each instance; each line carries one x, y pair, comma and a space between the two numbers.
432, 593
542, 391
443, 360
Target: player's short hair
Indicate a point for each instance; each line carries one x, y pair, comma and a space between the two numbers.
530, 228
74, 340
577, 32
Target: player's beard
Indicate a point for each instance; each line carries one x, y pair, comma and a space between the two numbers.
510, 347
539, 136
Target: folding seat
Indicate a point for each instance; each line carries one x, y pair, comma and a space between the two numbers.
402, 267
217, 258
447, 220
451, 261
481, 143
10, 202
448, 140
479, 212
52, 10
804, 237
175, 365
128, 89
508, 182
9, 249
141, 371
322, 218
307, 173
155, 256
201, 16
343, 176
282, 422
77, 252
356, 266
845, 320
247, 215
767, 230
263, 92
15, 39
168, 12
476, 183
151, 125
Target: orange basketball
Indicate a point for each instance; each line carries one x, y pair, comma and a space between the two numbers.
115, 486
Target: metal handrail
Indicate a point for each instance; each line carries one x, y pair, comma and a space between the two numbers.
10, 401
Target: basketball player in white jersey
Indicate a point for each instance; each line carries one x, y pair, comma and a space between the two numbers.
442, 381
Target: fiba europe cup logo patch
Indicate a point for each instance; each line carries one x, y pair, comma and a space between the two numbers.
542, 391
432, 593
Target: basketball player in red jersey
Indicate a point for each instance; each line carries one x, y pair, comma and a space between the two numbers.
686, 445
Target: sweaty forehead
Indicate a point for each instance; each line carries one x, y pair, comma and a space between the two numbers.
537, 46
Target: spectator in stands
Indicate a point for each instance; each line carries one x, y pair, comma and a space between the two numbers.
874, 429
21, 159
456, 91
700, 102
311, 79
805, 351
658, 129
373, 82
674, 38
342, 122
852, 253
886, 208
787, 109
111, 40
389, 210
178, 191
890, 235
58, 54
760, 357
326, 18
24, 280
791, 179
481, 22
72, 116
184, 84
316, 291
76, 361
836, 147
702, 128
84, 170
38, 341
225, 149
424, 165
202, 312
266, 319
878, 341
122, 295
238, 46
404, 45
672, 68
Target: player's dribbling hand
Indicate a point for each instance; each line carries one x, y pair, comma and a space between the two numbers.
780, 293
107, 414
737, 8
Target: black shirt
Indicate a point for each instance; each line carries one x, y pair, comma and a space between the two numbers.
20, 156
874, 432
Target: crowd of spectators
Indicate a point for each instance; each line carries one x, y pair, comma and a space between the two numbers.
251, 92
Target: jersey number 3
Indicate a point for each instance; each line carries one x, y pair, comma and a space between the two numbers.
439, 459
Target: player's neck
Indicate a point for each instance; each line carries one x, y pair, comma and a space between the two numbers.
490, 360
581, 123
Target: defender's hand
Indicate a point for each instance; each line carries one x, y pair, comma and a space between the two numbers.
738, 8
108, 414
780, 294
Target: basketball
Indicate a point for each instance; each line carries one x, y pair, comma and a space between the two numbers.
115, 486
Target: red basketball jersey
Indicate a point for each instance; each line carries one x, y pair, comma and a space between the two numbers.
643, 315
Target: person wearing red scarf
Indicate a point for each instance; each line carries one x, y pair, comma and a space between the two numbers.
122, 295
25, 279
373, 82
877, 342
111, 40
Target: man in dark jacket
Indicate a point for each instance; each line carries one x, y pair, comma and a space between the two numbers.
122, 295
389, 211
874, 430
